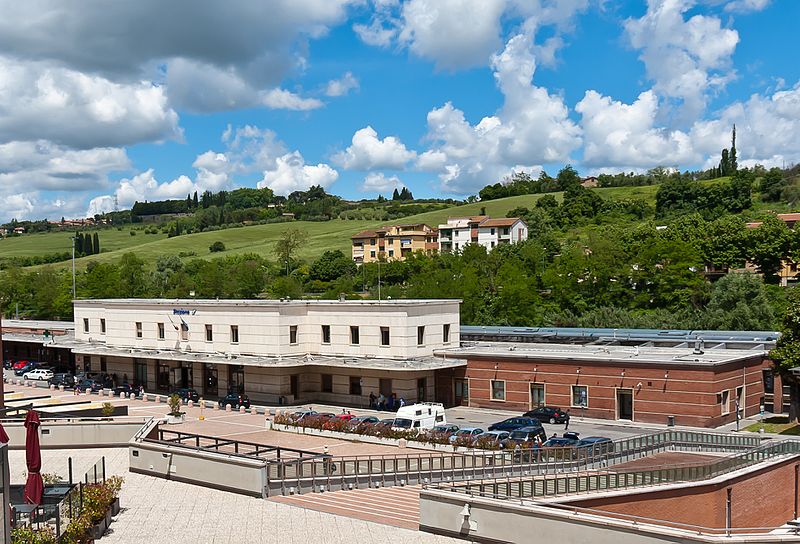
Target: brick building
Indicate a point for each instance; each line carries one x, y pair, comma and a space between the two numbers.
648, 384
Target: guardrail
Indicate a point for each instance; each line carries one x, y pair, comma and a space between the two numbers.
331, 473
608, 480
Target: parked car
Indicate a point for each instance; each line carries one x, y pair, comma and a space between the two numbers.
361, 420
124, 388
326, 415
385, 422
16, 365
465, 432
27, 367
347, 416
421, 416
490, 438
94, 386
567, 440
514, 423
302, 414
445, 429
548, 414
599, 445
527, 434
38, 374
63, 378
187, 394
234, 400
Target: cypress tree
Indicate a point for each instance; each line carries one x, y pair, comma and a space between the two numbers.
733, 162
96, 244
395, 194
88, 249
196, 202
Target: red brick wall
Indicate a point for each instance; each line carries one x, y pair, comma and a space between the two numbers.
765, 498
688, 393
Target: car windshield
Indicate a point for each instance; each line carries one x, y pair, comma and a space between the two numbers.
519, 435
401, 422
441, 429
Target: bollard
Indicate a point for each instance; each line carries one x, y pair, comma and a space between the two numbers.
190, 404
60, 387
242, 409
52, 387
253, 410
227, 407
88, 391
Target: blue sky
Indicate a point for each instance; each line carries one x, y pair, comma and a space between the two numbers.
139, 102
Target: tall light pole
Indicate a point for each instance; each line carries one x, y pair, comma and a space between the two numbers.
73, 268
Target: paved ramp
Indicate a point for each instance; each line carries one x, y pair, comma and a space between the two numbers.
396, 506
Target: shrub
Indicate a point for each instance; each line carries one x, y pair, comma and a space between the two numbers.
108, 409
133, 233
26, 534
216, 247
174, 404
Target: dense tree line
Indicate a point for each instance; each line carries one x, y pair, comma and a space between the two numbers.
680, 196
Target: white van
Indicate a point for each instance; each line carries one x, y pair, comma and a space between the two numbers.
421, 416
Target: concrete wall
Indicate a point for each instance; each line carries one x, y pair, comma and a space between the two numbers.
218, 471
78, 434
264, 326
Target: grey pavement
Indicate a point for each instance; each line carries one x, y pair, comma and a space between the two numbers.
155, 511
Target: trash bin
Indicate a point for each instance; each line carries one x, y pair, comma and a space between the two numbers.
670, 421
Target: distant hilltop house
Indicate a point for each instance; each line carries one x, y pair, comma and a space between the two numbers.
482, 230
789, 273
589, 182
395, 242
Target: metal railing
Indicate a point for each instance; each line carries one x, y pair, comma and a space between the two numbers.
330, 473
536, 487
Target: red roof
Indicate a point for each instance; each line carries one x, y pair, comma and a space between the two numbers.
500, 222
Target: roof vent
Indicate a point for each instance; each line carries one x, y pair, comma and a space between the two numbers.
698, 346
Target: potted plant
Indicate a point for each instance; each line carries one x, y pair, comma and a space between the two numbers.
97, 507
108, 409
175, 415
114, 485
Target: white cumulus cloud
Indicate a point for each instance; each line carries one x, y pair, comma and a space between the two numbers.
377, 182
281, 99
342, 86
291, 173
368, 152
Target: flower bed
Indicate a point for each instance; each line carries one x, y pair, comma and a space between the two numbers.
382, 434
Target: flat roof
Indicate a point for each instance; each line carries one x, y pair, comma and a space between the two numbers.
367, 363
664, 356
38, 324
261, 302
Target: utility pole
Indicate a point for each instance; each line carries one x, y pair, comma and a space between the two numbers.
379, 281
73, 268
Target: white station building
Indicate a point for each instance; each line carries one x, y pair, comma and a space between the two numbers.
272, 350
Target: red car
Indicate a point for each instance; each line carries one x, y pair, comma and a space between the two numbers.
19, 364
347, 417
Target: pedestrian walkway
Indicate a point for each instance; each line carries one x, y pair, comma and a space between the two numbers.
395, 506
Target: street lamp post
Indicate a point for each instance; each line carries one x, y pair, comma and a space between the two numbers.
73, 269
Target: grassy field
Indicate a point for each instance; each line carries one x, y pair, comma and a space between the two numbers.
59, 242
776, 425
261, 239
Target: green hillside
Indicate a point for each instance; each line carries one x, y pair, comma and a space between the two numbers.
261, 239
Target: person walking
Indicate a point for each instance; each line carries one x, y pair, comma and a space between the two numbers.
566, 421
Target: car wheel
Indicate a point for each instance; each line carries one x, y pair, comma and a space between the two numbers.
552, 420
24, 376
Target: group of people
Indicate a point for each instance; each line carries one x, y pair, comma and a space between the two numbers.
390, 403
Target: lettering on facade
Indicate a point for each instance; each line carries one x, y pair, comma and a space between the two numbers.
181, 311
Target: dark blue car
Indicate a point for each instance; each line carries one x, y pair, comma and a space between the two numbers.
514, 423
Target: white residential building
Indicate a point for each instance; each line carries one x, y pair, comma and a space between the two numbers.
460, 231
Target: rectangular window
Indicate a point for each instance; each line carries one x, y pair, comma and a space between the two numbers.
138, 329
724, 402
234, 334
372, 253
492, 232
446, 333
102, 326
162, 376
327, 383
355, 385
498, 390
161, 333
209, 333
103, 365
420, 335
293, 334
391, 253
354, 337
537, 394
505, 231
580, 396
326, 334
85, 325
769, 381
385, 336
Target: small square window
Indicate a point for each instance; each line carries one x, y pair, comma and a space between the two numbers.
85, 325
446, 333
161, 331
138, 329
354, 335
102, 326
234, 334
580, 396
293, 334
385, 336
209, 333
498, 390
327, 383
420, 335
326, 334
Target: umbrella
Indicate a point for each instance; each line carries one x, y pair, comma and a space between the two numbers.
33, 458
3, 436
